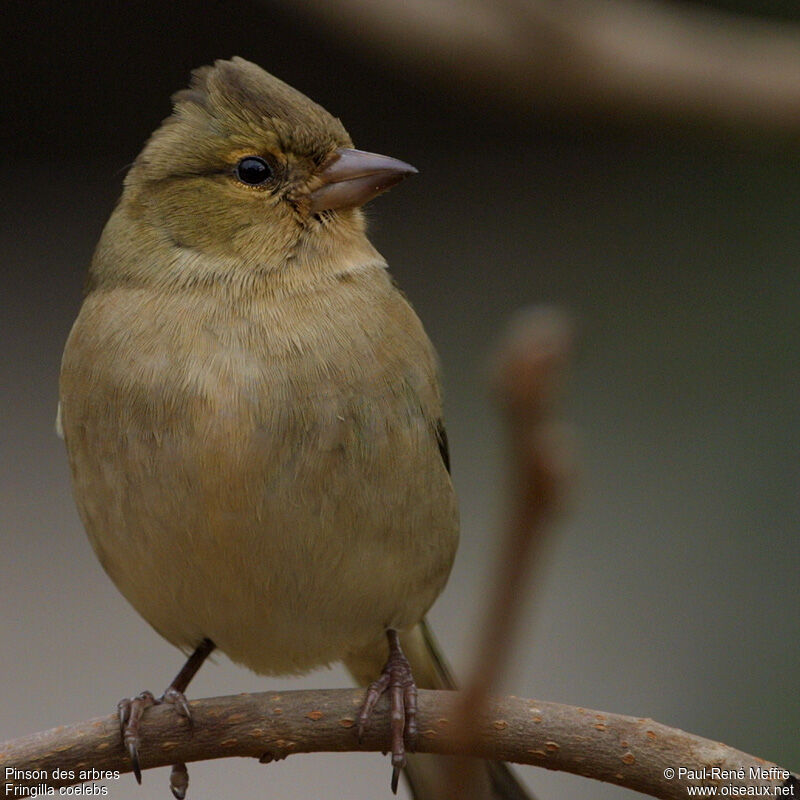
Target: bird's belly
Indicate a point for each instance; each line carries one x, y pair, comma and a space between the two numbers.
287, 531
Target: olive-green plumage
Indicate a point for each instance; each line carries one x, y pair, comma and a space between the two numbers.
249, 405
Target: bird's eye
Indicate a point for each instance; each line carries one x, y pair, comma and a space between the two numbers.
253, 171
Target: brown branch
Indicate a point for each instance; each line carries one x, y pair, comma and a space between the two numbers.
667, 61
629, 752
529, 369
529, 372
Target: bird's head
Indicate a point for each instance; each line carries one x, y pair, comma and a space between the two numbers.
249, 169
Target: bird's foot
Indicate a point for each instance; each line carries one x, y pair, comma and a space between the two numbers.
397, 679
131, 711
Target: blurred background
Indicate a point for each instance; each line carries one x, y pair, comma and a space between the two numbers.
635, 162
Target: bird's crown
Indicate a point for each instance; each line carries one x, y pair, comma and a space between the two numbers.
236, 103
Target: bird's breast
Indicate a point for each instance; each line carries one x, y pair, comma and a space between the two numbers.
283, 455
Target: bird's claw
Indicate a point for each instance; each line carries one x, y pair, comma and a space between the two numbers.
177, 699
179, 780
395, 779
374, 692
130, 711
398, 680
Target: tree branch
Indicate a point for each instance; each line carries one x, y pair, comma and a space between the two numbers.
529, 373
615, 58
627, 751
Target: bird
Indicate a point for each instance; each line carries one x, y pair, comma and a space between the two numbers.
252, 411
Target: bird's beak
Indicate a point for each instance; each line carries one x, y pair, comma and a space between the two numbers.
352, 177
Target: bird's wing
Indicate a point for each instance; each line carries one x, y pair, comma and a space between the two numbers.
441, 440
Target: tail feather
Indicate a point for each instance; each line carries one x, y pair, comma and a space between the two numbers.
426, 773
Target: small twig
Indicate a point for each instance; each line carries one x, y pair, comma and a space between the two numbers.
630, 752
529, 371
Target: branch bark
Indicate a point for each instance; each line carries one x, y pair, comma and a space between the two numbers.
628, 751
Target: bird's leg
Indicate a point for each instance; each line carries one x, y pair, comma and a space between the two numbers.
398, 680
132, 709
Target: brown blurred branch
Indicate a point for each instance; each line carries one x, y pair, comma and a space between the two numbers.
529, 372
624, 750
668, 61
530, 369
